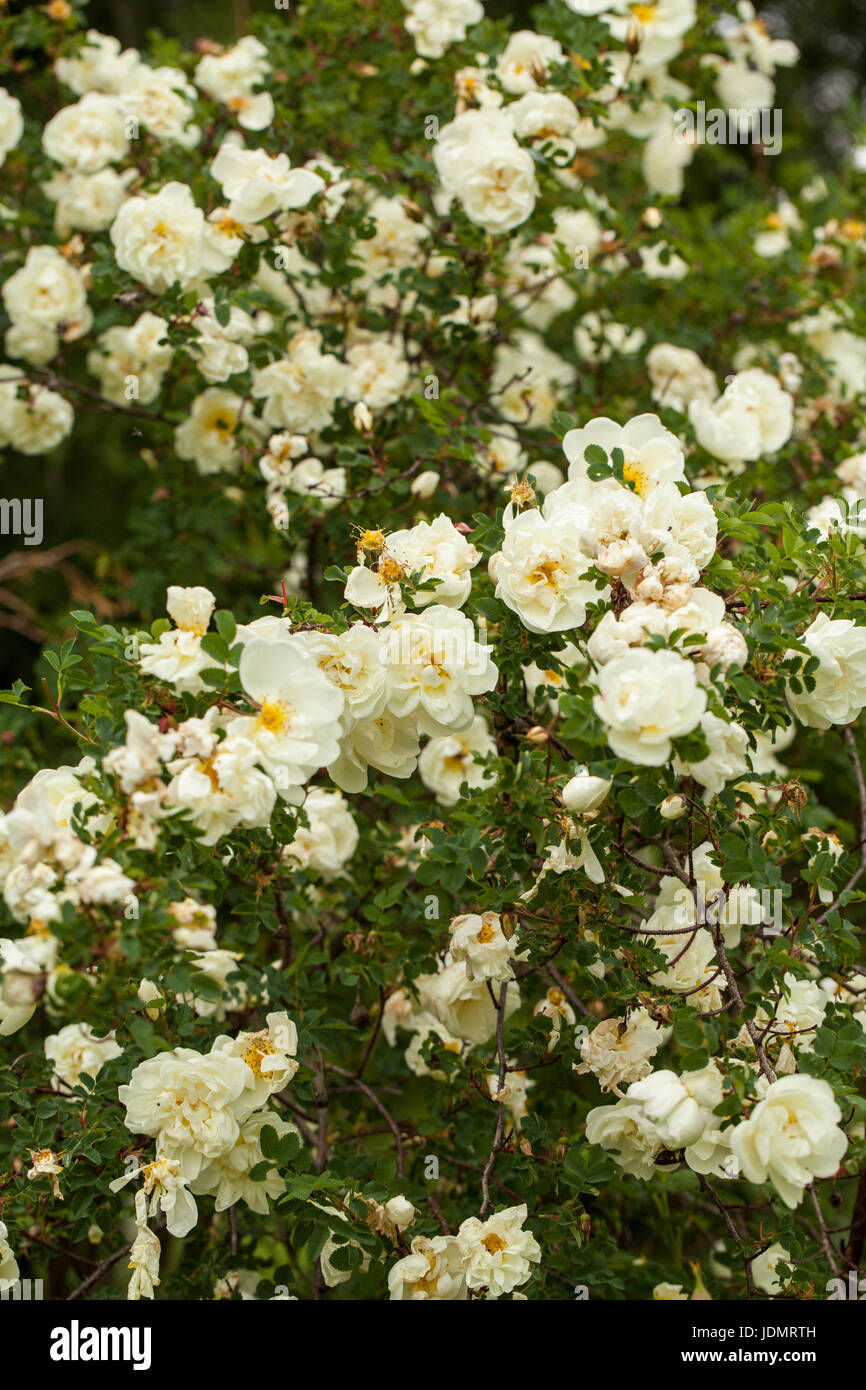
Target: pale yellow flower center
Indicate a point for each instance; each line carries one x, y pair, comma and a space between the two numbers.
273, 716
255, 1052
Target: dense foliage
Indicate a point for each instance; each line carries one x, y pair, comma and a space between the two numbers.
434, 864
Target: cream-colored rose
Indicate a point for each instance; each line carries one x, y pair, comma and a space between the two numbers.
481, 163
161, 239
839, 692
447, 763
646, 698
87, 136
791, 1137
11, 123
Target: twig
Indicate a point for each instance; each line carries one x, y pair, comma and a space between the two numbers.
383, 1111
500, 1117
100, 1270
826, 1243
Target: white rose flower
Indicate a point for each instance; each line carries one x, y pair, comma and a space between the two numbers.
764, 1269
678, 377
725, 646
432, 1269
626, 1131
98, 66
651, 454
137, 355
646, 698
141, 756
301, 390
753, 417
162, 239
297, 728
190, 608
224, 790
464, 1006
799, 1012
436, 24
524, 63
498, 1254
395, 245
692, 965
480, 942
217, 966
661, 27
728, 756
378, 372
227, 1175
666, 156
258, 184
178, 657
87, 136
843, 351
86, 202
679, 1107
840, 680
9, 1272
387, 743
220, 350
327, 844
423, 1025
11, 123
436, 550
190, 1103
48, 292
479, 161
231, 76
541, 573
447, 763
547, 118
791, 1137
269, 1055
619, 1051
162, 100
436, 666
503, 454
528, 381
351, 660
24, 965
208, 435
39, 422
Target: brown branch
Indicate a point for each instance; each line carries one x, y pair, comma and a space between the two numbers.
100, 1270
500, 1117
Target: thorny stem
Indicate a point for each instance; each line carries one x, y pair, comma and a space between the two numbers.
500, 1117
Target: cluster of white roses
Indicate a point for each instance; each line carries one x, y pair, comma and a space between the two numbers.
346, 701
618, 545
480, 159
456, 1007
493, 1256
45, 865
791, 1136
206, 1113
